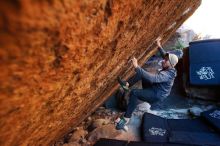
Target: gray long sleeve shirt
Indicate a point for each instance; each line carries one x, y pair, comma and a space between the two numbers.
162, 81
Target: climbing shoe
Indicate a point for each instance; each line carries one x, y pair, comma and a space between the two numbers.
123, 84
121, 124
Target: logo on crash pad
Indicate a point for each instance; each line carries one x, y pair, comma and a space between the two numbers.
157, 131
215, 114
205, 73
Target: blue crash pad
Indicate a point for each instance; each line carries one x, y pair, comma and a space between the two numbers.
181, 131
154, 128
213, 118
111, 142
204, 62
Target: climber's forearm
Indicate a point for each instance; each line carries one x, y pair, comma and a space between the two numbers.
162, 51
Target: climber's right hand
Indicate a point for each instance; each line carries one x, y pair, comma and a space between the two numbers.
158, 41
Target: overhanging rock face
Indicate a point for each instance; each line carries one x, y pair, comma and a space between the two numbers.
60, 59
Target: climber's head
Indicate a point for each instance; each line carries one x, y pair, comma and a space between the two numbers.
169, 61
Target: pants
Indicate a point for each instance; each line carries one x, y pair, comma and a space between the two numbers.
146, 94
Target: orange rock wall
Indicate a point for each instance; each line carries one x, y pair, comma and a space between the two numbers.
59, 59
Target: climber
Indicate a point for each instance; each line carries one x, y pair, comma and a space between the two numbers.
156, 87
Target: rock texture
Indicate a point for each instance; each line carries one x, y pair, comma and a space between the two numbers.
59, 59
